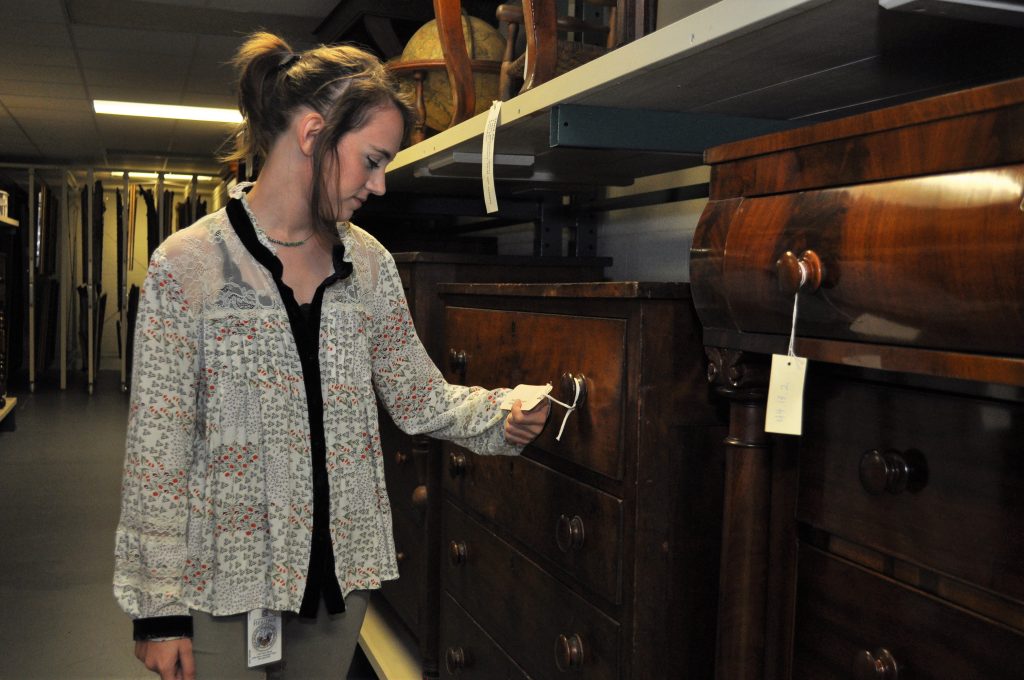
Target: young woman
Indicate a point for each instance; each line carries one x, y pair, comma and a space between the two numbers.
253, 477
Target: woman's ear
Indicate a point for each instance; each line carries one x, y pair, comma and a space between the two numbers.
307, 128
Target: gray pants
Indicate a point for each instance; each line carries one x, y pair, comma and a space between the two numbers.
312, 649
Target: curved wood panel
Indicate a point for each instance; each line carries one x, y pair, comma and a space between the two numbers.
930, 262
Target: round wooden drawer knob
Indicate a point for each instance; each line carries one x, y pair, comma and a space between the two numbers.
569, 653
569, 533
892, 471
456, 464
574, 388
457, 553
881, 665
419, 497
454, 660
792, 270
457, 359
401, 458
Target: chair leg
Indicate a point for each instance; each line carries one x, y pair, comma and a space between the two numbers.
504, 77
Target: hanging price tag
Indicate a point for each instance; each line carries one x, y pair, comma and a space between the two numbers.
786, 395
487, 158
785, 412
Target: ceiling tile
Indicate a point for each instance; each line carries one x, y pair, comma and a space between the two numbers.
34, 88
32, 10
41, 55
138, 77
45, 74
299, 8
18, 33
132, 40
47, 108
123, 59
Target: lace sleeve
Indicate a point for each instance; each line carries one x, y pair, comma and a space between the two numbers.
150, 542
412, 388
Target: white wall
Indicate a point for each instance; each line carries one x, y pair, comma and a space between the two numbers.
645, 244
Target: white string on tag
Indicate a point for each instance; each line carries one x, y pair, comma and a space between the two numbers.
784, 407
796, 301
576, 390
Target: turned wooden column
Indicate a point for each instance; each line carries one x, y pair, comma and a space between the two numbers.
743, 379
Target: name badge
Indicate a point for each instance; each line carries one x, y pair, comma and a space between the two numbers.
264, 637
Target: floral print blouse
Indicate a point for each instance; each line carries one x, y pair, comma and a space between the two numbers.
217, 494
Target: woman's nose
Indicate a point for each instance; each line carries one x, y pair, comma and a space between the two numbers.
376, 184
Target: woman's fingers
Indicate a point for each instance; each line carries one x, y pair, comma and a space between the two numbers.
522, 427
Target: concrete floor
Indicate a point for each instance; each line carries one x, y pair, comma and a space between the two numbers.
60, 484
60, 479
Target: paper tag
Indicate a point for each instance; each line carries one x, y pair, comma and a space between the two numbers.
487, 157
264, 637
786, 395
530, 395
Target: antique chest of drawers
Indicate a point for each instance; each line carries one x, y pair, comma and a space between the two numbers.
887, 541
412, 465
594, 553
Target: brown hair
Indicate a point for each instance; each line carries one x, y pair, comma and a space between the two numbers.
342, 83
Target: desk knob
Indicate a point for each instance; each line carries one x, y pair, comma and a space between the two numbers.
454, 660
574, 387
878, 666
892, 471
569, 653
419, 497
790, 269
569, 533
457, 553
457, 360
456, 464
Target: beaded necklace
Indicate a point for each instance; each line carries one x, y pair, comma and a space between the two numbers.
288, 244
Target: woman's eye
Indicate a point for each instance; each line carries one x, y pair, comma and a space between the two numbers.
372, 164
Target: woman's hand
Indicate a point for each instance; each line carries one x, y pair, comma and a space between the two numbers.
172, 659
522, 427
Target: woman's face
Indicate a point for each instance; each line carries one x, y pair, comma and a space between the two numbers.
364, 154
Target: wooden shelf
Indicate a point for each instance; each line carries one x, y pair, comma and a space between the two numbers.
9, 222
8, 408
388, 647
790, 62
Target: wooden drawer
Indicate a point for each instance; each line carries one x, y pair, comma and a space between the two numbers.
508, 347
405, 469
571, 524
467, 652
404, 594
844, 611
522, 606
967, 517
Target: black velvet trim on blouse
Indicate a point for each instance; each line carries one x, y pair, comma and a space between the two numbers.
305, 324
161, 627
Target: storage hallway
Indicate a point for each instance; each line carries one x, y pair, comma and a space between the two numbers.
712, 186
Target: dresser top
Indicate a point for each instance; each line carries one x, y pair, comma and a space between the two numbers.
983, 98
609, 289
478, 259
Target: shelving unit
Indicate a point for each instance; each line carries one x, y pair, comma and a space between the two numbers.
7, 403
734, 70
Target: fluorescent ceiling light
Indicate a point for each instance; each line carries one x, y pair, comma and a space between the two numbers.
169, 175
188, 178
135, 174
166, 111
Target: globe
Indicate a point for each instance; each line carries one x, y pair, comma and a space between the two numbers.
483, 42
